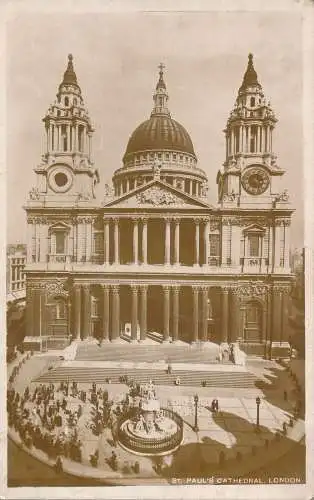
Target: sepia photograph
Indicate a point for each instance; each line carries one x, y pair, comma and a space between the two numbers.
155, 255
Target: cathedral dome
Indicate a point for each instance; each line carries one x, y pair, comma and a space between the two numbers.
158, 133
160, 147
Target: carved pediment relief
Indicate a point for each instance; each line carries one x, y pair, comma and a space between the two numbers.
157, 194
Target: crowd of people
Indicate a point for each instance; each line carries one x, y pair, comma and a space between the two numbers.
47, 416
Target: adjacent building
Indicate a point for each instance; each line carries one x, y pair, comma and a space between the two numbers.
15, 276
155, 260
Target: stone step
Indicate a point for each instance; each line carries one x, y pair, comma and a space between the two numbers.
195, 378
130, 352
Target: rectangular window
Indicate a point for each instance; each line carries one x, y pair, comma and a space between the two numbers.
98, 243
254, 245
214, 245
60, 242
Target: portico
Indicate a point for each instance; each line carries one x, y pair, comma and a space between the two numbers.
156, 239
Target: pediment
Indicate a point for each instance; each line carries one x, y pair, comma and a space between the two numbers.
156, 194
254, 228
57, 226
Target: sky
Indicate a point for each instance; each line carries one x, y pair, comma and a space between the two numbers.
116, 57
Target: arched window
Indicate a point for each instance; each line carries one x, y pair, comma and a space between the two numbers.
74, 101
252, 102
66, 101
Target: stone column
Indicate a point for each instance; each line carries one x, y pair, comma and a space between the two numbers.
166, 289
204, 336
59, 138
115, 312
135, 241
206, 241
249, 139
167, 241
86, 316
224, 313
69, 312
144, 241
134, 289
89, 233
107, 242
276, 313
175, 325
68, 136
177, 242
37, 310
105, 313
116, 241
197, 242
77, 311
29, 310
235, 315
278, 234
43, 250
287, 245
258, 139
143, 315
285, 312
195, 290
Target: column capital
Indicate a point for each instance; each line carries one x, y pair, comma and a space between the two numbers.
176, 288
206, 220
134, 287
135, 220
176, 220
204, 288
86, 286
197, 220
144, 220
167, 218
285, 290
225, 288
196, 288
115, 289
143, 288
106, 219
105, 286
166, 288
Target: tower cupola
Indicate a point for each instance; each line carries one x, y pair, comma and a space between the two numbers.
67, 166
249, 146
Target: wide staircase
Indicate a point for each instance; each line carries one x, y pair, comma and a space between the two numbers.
146, 353
101, 375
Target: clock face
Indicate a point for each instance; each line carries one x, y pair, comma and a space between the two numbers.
255, 181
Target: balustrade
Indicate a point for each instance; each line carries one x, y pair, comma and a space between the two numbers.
60, 258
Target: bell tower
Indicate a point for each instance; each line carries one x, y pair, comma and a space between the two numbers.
66, 172
250, 176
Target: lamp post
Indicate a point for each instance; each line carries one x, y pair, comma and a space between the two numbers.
196, 429
258, 402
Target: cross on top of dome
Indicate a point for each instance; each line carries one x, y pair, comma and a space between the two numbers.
161, 84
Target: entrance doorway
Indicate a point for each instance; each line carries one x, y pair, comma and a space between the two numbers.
253, 316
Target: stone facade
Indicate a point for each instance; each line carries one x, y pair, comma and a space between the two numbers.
155, 258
